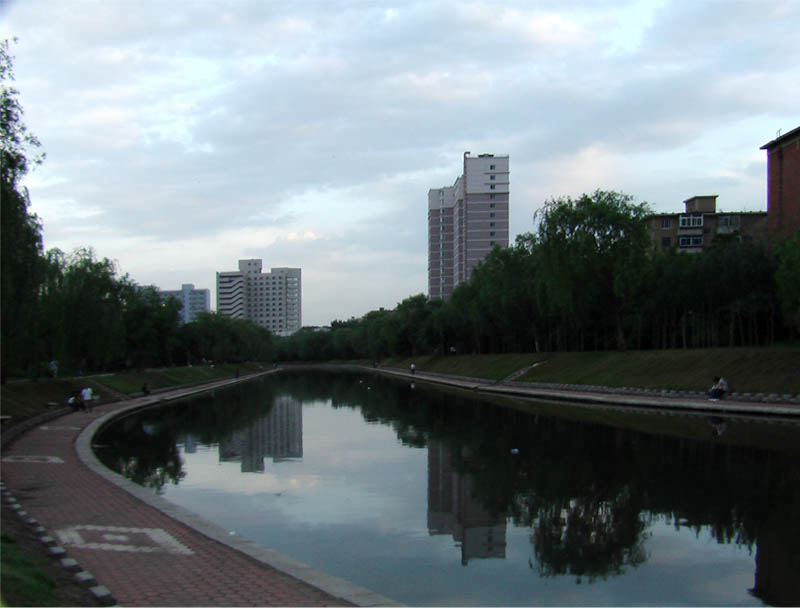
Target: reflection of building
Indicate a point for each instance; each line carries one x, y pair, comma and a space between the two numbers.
777, 558
454, 509
278, 435
695, 228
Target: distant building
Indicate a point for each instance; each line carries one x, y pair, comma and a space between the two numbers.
466, 220
194, 301
783, 184
695, 228
270, 299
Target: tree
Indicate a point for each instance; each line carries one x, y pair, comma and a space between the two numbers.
594, 250
23, 263
787, 277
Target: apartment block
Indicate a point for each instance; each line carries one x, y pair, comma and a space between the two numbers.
700, 223
466, 220
783, 185
194, 301
270, 299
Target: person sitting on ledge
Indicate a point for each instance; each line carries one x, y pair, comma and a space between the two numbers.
718, 389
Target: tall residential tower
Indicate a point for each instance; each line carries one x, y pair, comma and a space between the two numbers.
465, 221
270, 299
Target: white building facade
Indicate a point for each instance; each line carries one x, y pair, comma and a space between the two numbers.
193, 301
270, 299
466, 221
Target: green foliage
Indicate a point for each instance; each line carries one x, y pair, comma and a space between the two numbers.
787, 277
23, 582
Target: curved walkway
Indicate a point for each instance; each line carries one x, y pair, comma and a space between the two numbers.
134, 546
145, 551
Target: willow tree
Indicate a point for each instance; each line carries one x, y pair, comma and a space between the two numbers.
23, 264
593, 251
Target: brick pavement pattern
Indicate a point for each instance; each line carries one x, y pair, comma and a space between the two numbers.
140, 567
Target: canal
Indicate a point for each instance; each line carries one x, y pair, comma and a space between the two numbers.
434, 497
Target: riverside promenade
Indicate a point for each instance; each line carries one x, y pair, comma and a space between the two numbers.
130, 546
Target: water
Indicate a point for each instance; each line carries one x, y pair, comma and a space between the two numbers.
433, 497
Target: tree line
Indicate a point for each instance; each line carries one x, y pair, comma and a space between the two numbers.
587, 278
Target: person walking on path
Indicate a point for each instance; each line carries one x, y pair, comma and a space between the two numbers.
413, 369
86, 396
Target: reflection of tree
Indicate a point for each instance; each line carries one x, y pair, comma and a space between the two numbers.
154, 466
589, 536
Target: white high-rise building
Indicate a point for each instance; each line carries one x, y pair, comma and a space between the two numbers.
194, 301
466, 220
270, 299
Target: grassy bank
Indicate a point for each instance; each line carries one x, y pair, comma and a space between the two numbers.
24, 399
748, 370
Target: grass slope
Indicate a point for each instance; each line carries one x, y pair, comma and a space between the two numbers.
748, 370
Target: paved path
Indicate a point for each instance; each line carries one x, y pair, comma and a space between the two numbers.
143, 550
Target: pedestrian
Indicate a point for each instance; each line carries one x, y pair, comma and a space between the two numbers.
718, 389
413, 369
145, 389
54, 368
86, 396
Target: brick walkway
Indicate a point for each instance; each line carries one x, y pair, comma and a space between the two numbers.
142, 556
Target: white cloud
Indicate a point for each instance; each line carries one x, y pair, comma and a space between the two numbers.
181, 140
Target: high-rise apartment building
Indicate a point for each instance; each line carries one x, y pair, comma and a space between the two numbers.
270, 299
194, 301
465, 221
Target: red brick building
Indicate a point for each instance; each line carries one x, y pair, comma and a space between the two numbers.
783, 185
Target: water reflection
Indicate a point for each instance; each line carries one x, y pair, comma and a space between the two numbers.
278, 435
589, 486
455, 507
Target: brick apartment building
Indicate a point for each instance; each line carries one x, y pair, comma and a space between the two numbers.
783, 185
695, 228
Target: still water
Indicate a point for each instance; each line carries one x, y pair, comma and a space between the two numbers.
433, 497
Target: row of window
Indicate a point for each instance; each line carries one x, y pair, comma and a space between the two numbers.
683, 241
696, 221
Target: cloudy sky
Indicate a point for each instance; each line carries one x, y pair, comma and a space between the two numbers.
183, 136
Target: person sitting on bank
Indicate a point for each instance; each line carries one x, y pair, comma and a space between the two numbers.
718, 389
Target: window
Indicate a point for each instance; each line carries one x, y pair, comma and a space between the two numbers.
491, 178
491, 224
666, 222
491, 214
666, 241
691, 241
491, 205
491, 187
730, 221
691, 221
491, 198
491, 233
491, 167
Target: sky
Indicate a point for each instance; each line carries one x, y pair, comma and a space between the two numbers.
184, 136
